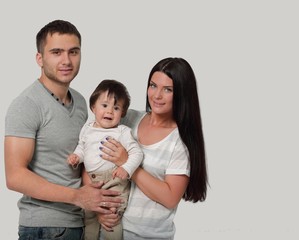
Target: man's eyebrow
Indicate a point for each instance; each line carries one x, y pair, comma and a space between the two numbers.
61, 49
75, 48
55, 49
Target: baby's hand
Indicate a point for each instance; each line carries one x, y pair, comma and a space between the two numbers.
120, 173
73, 160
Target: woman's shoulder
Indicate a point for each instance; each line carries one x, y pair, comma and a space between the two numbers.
135, 113
132, 117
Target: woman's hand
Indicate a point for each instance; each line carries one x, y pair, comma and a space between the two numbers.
114, 151
108, 221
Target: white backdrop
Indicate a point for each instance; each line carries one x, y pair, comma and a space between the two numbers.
245, 56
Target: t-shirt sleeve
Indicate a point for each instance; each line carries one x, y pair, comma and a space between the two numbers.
22, 118
179, 163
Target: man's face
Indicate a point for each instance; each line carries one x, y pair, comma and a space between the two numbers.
60, 60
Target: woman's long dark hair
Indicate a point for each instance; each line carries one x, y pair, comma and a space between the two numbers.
186, 113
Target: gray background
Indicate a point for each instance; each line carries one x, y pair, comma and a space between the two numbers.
245, 56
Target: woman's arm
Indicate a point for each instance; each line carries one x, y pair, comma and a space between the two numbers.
172, 187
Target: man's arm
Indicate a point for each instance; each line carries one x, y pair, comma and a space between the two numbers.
18, 153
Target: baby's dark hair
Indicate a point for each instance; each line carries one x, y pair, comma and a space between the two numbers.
56, 26
115, 88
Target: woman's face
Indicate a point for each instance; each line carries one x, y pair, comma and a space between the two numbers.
160, 93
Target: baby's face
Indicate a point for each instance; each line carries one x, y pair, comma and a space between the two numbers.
107, 112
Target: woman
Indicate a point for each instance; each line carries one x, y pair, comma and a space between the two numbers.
174, 166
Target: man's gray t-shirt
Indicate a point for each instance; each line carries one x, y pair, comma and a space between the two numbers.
36, 114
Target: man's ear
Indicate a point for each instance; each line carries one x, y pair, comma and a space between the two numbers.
39, 59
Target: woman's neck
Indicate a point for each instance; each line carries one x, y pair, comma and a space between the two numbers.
159, 120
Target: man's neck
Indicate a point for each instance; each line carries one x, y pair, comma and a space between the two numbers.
58, 90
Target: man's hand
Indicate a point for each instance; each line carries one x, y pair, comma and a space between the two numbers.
92, 197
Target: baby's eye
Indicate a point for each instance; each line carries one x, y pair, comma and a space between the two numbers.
104, 105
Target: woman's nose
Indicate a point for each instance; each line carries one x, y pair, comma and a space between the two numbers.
158, 94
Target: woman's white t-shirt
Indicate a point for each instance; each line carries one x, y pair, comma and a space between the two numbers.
143, 217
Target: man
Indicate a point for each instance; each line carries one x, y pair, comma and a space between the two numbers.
42, 127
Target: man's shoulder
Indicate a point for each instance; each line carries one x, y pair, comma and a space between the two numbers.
27, 95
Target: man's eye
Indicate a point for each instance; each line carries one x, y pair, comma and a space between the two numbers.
74, 52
